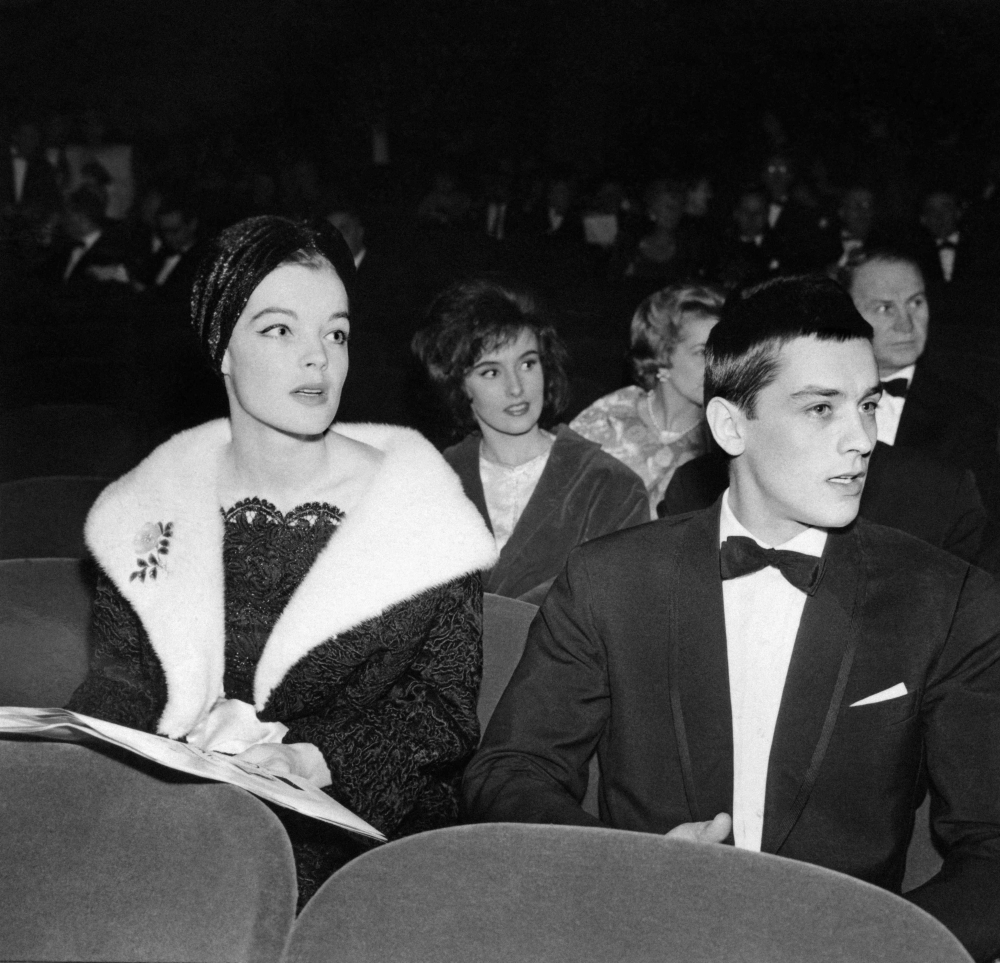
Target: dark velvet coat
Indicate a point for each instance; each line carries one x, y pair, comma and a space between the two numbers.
628, 656
583, 493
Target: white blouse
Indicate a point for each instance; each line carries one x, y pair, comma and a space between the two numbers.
508, 489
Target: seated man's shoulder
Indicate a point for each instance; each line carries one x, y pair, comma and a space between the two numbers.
664, 537
908, 561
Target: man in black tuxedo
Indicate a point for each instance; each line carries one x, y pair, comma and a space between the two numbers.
747, 252
170, 273
771, 671
29, 195
918, 409
793, 227
92, 256
28, 186
904, 489
946, 251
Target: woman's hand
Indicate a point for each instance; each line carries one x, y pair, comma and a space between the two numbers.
300, 759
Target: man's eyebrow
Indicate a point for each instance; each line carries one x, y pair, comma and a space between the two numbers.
873, 390
818, 390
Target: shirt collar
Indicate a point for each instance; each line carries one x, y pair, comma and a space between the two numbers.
810, 542
906, 373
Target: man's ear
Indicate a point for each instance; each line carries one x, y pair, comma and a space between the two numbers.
726, 422
224, 365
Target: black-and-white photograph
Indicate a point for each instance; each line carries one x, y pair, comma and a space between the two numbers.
499, 480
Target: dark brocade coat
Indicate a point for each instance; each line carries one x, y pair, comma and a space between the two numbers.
583, 493
360, 633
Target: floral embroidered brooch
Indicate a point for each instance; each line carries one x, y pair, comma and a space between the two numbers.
151, 543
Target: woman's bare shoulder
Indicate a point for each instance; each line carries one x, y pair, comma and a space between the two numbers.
353, 466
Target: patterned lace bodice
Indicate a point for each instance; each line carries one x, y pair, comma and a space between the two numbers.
266, 554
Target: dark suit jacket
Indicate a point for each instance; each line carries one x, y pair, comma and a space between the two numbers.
177, 286
583, 493
109, 249
796, 237
628, 655
943, 419
973, 258
905, 489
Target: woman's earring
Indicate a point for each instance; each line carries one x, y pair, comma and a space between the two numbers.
662, 374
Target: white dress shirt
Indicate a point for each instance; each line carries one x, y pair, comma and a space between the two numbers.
20, 166
946, 254
763, 611
76, 255
890, 408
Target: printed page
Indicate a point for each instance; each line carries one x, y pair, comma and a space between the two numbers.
288, 791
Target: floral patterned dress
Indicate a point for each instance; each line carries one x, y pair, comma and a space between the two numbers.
624, 425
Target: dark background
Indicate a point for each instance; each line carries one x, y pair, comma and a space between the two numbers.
632, 84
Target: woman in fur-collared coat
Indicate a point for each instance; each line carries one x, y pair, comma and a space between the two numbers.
305, 596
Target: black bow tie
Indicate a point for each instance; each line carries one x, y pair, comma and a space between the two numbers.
897, 387
740, 555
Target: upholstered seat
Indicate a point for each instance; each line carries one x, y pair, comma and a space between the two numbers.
502, 892
106, 860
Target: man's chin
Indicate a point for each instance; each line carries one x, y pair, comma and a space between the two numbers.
834, 519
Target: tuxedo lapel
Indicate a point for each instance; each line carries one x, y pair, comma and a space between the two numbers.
699, 671
814, 688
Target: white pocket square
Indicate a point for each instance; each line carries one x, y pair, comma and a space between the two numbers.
899, 689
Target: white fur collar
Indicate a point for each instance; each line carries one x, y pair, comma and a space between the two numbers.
412, 530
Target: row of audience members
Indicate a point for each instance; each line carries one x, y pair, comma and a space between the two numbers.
306, 594
775, 225
673, 232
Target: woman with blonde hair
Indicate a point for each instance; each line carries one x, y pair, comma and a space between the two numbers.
658, 423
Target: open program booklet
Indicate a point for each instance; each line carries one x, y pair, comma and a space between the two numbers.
288, 791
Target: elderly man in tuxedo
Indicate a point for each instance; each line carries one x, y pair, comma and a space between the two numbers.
771, 671
918, 409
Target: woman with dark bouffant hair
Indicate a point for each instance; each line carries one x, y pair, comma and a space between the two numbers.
658, 424
500, 367
301, 594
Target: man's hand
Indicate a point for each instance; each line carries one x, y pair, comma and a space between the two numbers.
710, 831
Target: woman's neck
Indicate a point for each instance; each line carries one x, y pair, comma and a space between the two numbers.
672, 411
287, 470
513, 450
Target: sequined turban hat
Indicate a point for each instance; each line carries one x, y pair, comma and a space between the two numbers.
246, 253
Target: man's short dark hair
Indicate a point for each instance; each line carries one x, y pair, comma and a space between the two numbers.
741, 355
882, 255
